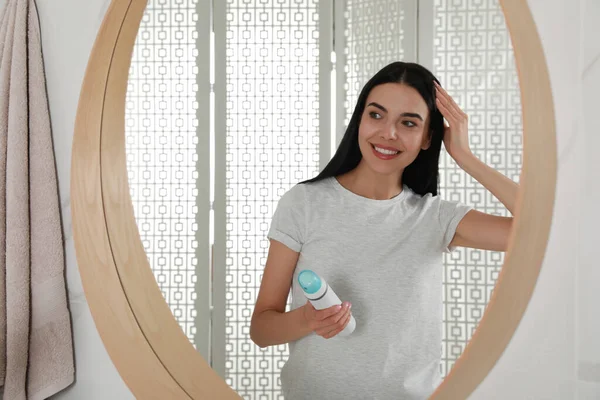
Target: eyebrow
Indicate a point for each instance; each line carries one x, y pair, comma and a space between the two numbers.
412, 115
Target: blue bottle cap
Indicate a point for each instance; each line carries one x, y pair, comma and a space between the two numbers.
309, 281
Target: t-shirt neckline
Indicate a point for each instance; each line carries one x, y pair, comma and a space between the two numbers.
350, 194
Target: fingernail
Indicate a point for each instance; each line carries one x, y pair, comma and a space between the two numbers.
338, 308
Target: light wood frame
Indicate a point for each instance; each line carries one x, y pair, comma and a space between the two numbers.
147, 346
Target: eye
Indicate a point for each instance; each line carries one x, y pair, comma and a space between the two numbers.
374, 115
409, 124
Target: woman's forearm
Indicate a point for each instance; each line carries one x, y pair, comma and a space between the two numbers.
270, 327
499, 185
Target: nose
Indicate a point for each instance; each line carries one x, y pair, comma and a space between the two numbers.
389, 132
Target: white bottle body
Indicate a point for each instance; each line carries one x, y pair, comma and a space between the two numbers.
324, 298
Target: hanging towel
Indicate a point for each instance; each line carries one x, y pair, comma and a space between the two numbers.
37, 340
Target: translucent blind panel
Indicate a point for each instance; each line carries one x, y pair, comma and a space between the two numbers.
375, 33
161, 142
272, 143
473, 58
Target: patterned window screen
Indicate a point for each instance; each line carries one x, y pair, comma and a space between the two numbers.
269, 136
473, 59
162, 136
372, 34
272, 142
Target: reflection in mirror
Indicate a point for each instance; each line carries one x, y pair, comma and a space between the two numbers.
271, 109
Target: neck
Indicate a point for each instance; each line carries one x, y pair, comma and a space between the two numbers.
367, 183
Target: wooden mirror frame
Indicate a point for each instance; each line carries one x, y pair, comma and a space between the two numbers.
152, 354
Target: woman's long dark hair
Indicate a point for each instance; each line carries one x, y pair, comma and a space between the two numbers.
422, 175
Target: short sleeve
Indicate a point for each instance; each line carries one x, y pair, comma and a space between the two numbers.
288, 224
451, 213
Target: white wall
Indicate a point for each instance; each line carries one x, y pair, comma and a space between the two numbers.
553, 354
588, 269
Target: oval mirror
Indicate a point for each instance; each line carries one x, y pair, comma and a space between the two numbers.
219, 109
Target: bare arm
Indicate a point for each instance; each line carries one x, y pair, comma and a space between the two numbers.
271, 325
480, 230
476, 230
499, 185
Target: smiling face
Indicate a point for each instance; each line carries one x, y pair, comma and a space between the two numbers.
393, 128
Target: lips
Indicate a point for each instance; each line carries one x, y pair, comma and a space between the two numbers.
385, 152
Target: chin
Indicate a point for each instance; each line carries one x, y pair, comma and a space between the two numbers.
380, 167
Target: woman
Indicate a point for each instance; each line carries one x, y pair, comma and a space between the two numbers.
371, 223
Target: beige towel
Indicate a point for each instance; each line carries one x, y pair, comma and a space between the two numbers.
5, 57
38, 342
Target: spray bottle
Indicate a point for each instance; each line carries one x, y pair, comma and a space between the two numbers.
321, 296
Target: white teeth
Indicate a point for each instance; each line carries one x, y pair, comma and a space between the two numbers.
386, 152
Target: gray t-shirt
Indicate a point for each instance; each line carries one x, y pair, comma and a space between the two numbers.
385, 257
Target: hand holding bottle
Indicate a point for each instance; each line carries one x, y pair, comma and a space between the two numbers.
322, 298
329, 322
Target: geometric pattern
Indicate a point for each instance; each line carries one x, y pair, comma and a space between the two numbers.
272, 142
473, 58
374, 37
161, 138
